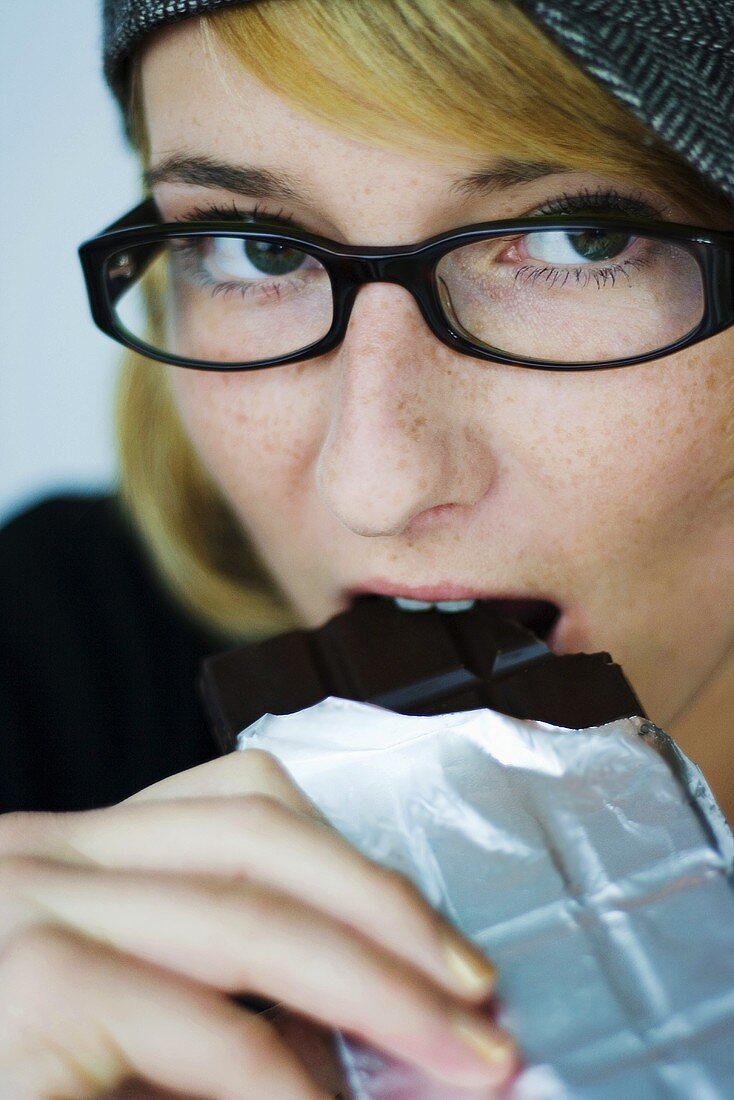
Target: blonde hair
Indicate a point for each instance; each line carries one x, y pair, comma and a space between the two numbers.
415, 76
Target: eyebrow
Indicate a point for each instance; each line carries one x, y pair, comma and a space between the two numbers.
206, 172
203, 171
507, 173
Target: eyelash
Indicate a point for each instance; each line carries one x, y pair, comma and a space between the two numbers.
235, 213
603, 200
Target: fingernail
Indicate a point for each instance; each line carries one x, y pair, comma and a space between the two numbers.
493, 1046
474, 973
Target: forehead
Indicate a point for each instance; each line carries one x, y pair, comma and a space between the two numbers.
196, 96
193, 89
200, 100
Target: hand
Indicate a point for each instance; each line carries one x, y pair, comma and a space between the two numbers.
123, 930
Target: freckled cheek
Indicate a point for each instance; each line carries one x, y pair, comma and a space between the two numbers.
634, 447
249, 431
681, 449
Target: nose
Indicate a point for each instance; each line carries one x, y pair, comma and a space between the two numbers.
403, 435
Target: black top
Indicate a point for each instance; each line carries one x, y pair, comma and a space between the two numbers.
98, 665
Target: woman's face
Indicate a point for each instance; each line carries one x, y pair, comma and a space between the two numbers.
393, 464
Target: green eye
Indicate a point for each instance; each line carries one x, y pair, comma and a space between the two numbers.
599, 244
273, 259
559, 246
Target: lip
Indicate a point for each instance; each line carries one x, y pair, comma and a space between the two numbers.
432, 592
554, 637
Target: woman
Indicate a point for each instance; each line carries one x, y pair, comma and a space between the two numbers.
412, 456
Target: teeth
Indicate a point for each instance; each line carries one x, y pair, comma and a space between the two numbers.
426, 605
455, 605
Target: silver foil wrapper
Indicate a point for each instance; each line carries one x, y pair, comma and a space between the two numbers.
592, 866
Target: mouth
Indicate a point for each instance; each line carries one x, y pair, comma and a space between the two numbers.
541, 616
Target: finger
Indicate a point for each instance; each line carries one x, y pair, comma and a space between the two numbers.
242, 936
237, 773
260, 839
84, 1019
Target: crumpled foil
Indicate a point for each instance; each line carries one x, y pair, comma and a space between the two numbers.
592, 866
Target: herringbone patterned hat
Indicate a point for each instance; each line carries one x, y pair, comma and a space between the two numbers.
670, 62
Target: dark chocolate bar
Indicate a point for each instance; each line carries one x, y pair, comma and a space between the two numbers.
421, 662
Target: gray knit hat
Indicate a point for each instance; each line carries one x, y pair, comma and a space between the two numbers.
669, 62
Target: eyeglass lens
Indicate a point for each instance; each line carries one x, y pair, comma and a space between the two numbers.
556, 295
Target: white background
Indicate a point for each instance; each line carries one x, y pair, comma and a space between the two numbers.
66, 173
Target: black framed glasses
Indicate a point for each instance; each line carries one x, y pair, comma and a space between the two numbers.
549, 293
